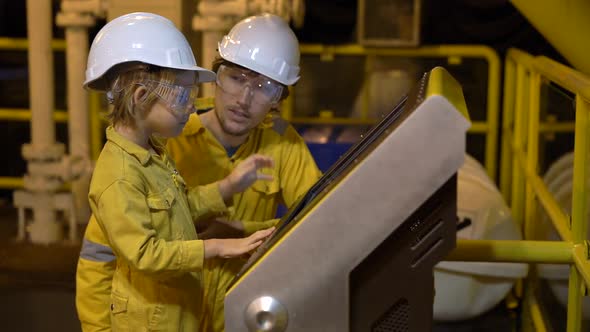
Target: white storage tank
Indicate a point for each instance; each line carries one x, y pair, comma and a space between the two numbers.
468, 289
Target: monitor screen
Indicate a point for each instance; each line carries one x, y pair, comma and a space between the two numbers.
342, 164
340, 167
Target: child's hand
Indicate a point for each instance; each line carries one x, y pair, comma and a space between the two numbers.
246, 173
228, 248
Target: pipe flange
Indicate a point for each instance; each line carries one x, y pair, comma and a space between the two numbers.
73, 19
31, 152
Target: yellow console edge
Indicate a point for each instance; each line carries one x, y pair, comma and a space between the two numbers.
441, 83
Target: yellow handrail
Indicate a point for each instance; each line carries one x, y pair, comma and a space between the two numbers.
22, 44
489, 127
512, 251
523, 187
16, 114
11, 182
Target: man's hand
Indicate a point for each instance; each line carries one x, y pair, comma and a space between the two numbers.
245, 174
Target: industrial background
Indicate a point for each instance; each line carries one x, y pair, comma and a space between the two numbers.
523, 67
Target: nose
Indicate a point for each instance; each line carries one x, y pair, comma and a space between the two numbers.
246, 96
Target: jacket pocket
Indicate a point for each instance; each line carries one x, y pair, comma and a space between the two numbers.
162, 200
161, 206
119, 315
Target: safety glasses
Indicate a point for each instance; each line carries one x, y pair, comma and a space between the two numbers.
261, 89
179, 98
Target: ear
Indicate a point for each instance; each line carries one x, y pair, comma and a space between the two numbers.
139, 95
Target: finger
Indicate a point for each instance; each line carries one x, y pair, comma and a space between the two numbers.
270, 230
254, 245
259, 235
264, 177
262, 161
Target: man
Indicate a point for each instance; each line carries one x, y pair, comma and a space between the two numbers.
259, 58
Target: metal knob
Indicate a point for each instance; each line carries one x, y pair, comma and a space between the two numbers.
266, 314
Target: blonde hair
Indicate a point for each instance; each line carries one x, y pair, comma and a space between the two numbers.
124, 80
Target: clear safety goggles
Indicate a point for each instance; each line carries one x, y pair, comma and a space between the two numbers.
261, 89
179, 98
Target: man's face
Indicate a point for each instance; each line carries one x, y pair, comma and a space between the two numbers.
243, 98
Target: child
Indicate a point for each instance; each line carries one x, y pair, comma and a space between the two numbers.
138, 198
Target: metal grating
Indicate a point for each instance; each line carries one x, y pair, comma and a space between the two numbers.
394, 320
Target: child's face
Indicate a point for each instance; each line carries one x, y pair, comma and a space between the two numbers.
164, 119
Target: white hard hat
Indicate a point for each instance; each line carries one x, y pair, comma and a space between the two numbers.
264, 44
143, 37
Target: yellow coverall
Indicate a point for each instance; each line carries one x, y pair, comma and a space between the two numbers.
201, 160
146, 212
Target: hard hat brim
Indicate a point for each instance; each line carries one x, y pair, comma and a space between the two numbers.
205, 76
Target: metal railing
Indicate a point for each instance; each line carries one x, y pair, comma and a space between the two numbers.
523, 187
521, 184
453, 54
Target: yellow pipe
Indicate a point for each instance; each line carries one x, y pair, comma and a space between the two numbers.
564, 76
512, 251
515, 129
15, 114
22, 44
553, 209
424, 51
494, 67
520, 109
537, 315
522, 58
580, 176
480, 127
561, 127
580, 257
563, 24
7, 182
579, 274
574, 301
532, 155
449, 51
507, 123
11, 182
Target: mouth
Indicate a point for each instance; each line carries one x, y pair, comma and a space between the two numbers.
238, 114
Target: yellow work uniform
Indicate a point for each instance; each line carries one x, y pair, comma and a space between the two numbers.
202, 159
146, 212
94, 275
